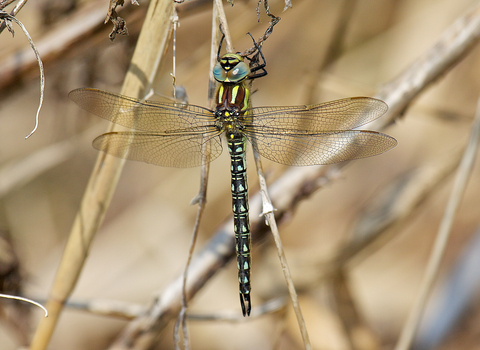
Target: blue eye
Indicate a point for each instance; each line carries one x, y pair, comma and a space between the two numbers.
219, 73
239, 72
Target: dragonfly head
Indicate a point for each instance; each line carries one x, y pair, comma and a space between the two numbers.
231, 69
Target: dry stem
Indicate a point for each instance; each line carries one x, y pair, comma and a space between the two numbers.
106, 172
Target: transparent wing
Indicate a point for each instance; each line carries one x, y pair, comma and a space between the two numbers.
312, 149
142, 115
344, 114
170, 150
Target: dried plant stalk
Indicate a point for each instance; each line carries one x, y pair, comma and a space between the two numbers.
105, 175
443, 235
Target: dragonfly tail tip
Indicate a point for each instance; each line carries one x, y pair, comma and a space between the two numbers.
246, 305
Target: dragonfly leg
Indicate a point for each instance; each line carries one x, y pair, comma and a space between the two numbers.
255, 65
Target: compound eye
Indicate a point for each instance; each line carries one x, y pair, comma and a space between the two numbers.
239, 72
219, 73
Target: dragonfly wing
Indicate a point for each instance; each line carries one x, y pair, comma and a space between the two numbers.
344, 114
326, 148
141, 115
170, 150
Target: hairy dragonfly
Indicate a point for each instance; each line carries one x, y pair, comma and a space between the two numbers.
176, 135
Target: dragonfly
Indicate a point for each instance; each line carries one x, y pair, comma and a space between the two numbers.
171, 134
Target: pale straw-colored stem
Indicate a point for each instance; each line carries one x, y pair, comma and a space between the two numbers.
441, 241
149, 50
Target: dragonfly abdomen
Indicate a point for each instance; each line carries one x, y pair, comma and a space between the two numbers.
236, 147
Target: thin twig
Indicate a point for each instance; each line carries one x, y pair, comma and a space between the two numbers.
218, 5
440, 245
218, 19
13, 13
273, 22
16, 297
180, 324
6, 17
5, 3
174, 54
268, 213
129, 311
109, 308
233, 316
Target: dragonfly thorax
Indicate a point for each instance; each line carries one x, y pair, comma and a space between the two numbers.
232, 97
229, 120
232, 103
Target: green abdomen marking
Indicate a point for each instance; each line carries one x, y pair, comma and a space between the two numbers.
236, 147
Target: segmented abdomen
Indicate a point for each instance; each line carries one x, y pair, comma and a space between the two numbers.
236, 147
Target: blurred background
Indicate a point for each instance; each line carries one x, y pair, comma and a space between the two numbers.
143, 242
